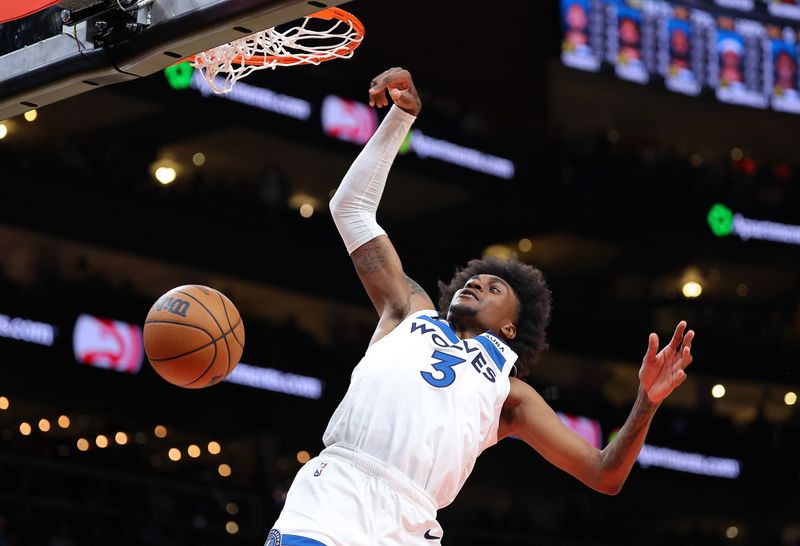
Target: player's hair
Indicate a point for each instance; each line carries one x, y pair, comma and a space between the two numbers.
533, 296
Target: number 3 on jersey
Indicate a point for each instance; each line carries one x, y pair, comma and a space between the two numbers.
444, 366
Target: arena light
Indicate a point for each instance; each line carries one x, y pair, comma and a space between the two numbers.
4, 403
44, 425
121, 438
83, 444
232, 508
101, 441
224, 470
790, 398
31, 115
525, 245
25, 428
3, 131
303, 456
691, 289
165, 175
306, 210
63, 421
214, 448
718, 391
160, 431
498, 251
199, 159
304, 204
732, 532
232, 527
174, 454
742, 290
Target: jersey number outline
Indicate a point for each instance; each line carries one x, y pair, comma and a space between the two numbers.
444, 365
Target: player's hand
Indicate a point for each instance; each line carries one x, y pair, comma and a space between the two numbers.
661, 373
401, 88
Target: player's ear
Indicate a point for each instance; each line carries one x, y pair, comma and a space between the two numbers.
509, 331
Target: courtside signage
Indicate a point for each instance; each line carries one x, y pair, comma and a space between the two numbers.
355, 122
108, 344
257, 97
345, 120
425, 146
269, 379
692, 463
29, 331
724, 222
586, 428
348, 120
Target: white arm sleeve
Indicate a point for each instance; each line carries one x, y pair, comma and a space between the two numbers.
355, 203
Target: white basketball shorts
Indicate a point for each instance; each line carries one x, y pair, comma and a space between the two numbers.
345, 497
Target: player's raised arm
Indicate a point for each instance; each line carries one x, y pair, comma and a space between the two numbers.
355, 204
527, 416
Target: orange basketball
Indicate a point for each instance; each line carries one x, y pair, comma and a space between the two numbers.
193, 336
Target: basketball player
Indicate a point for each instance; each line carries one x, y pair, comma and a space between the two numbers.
432, 393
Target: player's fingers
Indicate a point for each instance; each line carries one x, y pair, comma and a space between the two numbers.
395, 77
379, 97
375, 93
675, 342
687, 339
686, 357
680, 378
652, 347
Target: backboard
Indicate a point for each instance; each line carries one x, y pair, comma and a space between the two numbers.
103, 42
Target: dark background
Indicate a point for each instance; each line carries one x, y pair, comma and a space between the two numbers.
613, 184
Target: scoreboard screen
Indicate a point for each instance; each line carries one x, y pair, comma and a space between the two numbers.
742, 51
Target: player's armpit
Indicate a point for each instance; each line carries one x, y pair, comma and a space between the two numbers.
527, 416
391, 291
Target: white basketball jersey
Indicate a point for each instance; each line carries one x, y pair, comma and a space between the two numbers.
426, 402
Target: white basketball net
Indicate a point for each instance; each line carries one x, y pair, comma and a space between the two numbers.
223, 66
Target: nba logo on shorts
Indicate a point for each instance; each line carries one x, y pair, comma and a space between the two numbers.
274, 538
319, 470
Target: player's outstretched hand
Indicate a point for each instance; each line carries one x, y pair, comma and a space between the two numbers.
400, 86
662, 372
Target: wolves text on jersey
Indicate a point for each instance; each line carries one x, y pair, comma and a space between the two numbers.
445, 361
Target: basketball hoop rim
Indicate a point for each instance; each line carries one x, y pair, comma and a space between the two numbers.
326, 14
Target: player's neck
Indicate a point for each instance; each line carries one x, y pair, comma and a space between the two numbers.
467, 329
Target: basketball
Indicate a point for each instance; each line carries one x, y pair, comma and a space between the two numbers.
193, 336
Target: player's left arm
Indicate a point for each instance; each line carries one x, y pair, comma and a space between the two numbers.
527, 416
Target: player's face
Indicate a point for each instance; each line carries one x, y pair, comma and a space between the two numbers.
487, 301
730, 59
785, 66
680, 42
628, 32
576, 17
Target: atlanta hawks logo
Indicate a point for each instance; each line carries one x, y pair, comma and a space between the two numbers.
274, 538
